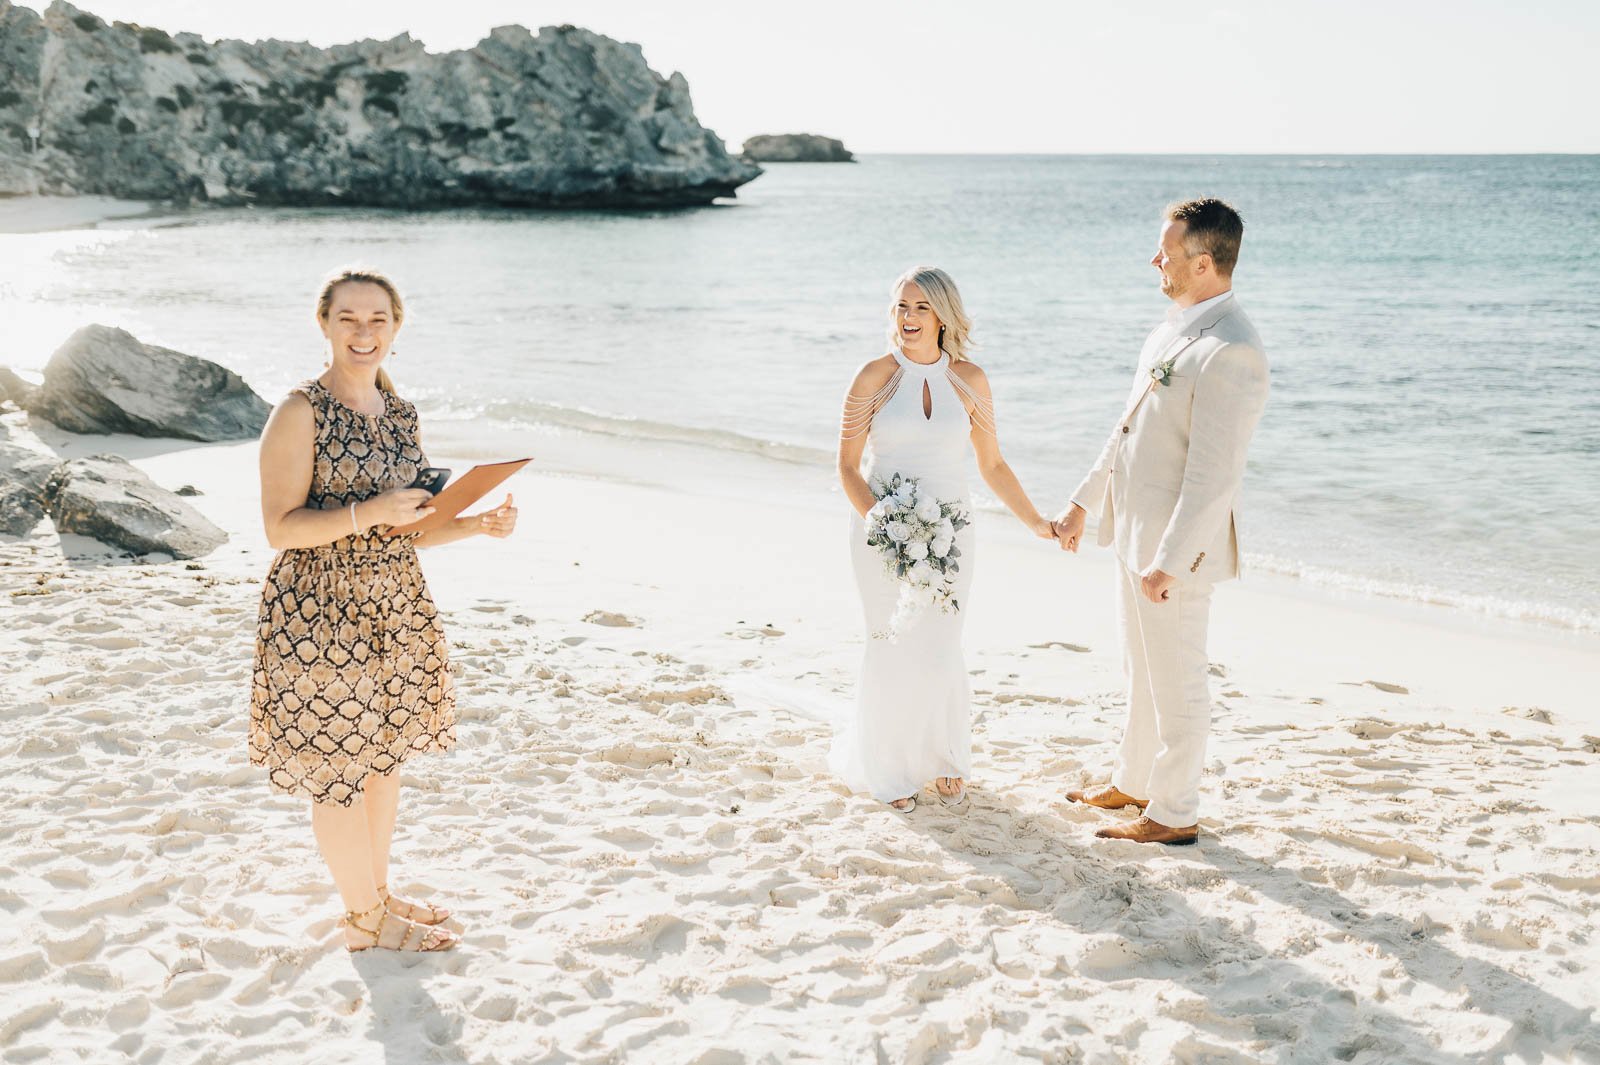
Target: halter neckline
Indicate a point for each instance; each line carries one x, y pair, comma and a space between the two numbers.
920, 367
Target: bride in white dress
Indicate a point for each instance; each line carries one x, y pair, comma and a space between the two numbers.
922, 411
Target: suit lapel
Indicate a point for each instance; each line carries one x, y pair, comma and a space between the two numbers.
1177, 346
1199, 328
1174, 348
1208, 321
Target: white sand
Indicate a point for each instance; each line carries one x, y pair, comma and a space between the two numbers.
38, 214
651, 864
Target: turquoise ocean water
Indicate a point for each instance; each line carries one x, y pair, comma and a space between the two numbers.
1433, 323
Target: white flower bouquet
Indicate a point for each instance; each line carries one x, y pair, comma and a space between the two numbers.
916, 535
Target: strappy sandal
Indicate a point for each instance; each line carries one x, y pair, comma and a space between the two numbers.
952, 800
435, 915
910, 804
429, 939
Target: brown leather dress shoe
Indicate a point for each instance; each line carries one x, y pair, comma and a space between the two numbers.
1106, 798
1145, 830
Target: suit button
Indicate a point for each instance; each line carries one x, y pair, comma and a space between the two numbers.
1124, 428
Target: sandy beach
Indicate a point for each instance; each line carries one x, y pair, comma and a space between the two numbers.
42, 214
650, 862
539, 221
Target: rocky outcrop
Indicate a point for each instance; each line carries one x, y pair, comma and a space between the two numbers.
562, 119
23, 475
106, 498
796, 148
13, 389
103, 380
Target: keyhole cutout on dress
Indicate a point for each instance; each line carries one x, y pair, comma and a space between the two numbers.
927, 402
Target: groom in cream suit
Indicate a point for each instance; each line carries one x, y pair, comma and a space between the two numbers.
1164, 492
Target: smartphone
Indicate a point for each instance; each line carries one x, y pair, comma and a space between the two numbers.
432, 479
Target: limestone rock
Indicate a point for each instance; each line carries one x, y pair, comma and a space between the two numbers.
796, 148
108, 499
567, 118
103, 380
13, 389
23, 475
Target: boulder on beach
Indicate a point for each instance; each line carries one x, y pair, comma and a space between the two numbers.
106, 498
796, 148
567, 118
23, 476
103, 380
13, 389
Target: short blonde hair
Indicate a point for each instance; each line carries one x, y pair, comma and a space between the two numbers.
955, 328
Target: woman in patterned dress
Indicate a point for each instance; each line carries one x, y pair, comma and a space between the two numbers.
352, 674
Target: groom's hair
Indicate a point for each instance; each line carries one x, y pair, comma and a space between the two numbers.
1213, 228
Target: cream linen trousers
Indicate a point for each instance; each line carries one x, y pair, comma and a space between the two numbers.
1169, 698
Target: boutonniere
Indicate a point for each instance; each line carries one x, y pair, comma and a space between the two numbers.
1162, 372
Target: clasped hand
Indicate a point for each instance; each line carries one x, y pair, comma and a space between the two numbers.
1069, 527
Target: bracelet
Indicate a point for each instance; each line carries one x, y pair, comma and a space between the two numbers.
356, 528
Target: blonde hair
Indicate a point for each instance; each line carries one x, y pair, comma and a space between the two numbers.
955, 328
363, 275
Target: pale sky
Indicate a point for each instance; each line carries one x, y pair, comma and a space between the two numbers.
1292, 76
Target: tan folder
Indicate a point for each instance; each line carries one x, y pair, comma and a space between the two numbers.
460, 494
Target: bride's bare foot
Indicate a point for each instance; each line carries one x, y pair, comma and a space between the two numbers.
385, 930
420, 912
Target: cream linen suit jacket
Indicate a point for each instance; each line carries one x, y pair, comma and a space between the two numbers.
1166, 486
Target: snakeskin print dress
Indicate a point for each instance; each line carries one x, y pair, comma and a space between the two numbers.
352, 675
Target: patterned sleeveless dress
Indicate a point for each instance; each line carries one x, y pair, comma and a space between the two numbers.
351, 675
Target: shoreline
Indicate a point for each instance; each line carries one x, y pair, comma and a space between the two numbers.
799, 465
1335, 628
48, 214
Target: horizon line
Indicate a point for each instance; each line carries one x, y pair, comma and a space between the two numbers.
1209, 155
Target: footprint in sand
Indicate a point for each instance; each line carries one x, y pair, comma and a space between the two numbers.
1075, 648
1532, 713
695, 696
1373, 729
113, 643
658, 934
1589, 885
610, 620
1381, 685
748, 632
498, 1008
637, 757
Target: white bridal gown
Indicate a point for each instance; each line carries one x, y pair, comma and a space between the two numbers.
911, 720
